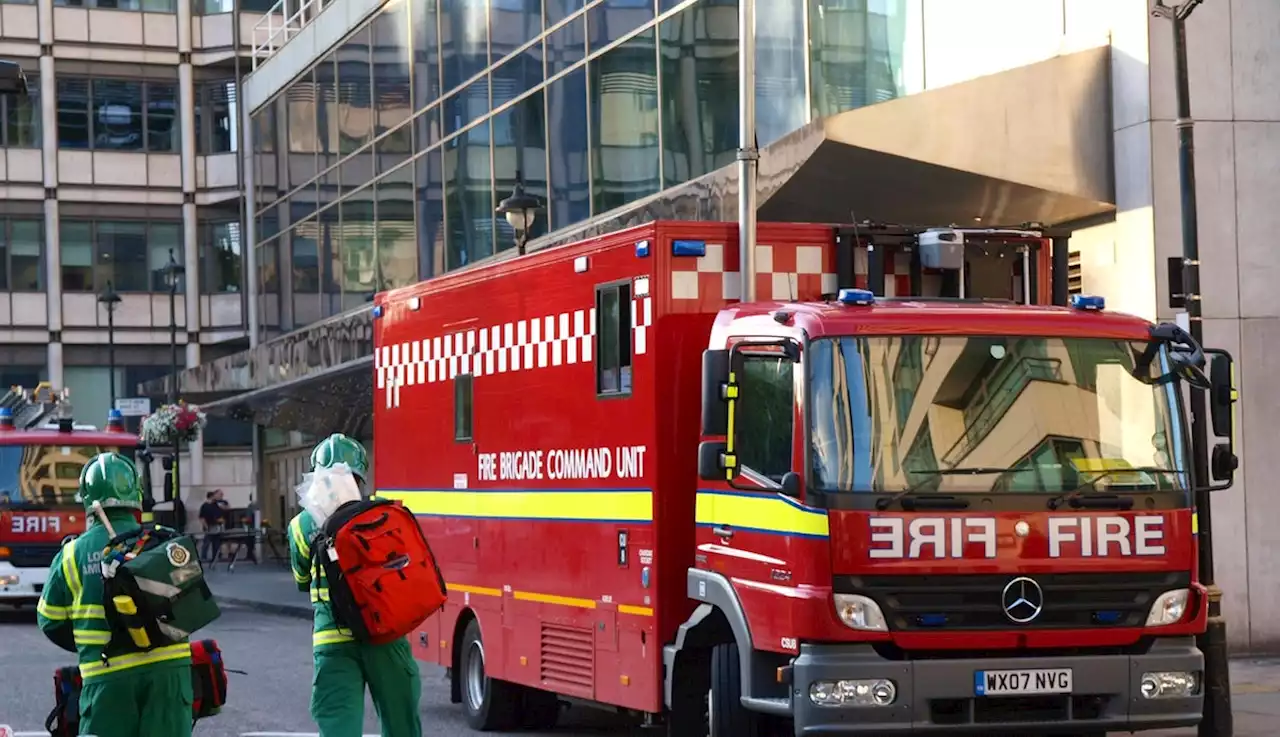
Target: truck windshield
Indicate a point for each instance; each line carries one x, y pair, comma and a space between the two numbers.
955, 414
43, 475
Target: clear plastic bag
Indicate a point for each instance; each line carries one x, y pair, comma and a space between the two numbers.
326, 489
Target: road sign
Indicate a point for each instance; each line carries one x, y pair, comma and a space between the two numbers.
134, 406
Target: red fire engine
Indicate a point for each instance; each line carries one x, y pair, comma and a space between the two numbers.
42, 451
828, 511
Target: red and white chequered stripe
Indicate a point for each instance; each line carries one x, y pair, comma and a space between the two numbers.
521, 345
782, 273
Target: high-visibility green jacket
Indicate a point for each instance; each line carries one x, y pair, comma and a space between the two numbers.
71, 613
309, 576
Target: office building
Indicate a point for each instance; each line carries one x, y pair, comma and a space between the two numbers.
383, 136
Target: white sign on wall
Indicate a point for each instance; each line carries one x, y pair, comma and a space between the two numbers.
134, 406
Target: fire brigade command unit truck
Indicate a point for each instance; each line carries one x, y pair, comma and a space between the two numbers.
830, 511
42, 451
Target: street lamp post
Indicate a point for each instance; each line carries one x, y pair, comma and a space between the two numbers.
173, 272
1217, 720
110, 299
521, 210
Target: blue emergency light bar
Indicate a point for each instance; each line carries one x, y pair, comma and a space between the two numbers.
689, 248
1087, 302
642, 249
377, 311
6, 412
861, 297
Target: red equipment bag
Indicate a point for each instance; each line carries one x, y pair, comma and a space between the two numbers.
64, 720
208, 679
383, 579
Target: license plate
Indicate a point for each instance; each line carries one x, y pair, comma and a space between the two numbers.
1021, 682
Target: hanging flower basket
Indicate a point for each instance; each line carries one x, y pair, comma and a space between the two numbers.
171, 424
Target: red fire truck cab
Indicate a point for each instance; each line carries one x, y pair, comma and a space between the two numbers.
823, 512
42, 452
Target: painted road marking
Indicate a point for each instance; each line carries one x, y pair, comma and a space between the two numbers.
257, 734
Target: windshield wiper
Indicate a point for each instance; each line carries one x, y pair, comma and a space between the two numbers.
1076, 497
912, 499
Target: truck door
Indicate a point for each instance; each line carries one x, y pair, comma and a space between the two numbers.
745, 540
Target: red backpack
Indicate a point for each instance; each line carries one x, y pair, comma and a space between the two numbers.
383, 579
208, 679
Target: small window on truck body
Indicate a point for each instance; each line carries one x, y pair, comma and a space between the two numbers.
462, 408
613, 339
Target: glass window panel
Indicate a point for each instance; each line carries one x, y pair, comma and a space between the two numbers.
780, 44
76, 246
301, 119
305, 243
519, 146
356, 171
163, 129
468, 197
264, 128
73, 112
122, 255
216, 119
396, 242
517, 74
4, 257
624, 134
467, 104
566, 45
513, 23
302, 204
26, 256
117, 114
429, 191
391, 86
426, 52
464, 40
223, 261
354, 107
327, 116
358, 258
22, 116
269, 265
331, 258
613, 19
165, 239
569, 153
558, 10
700, 91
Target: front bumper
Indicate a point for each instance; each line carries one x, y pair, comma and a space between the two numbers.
937, 696
21, 585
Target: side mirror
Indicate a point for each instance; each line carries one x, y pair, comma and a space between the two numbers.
712, 464
1222, 397
1185, 354
791, 484
715, 410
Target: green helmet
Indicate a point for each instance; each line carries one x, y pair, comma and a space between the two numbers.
111, 479
338, 448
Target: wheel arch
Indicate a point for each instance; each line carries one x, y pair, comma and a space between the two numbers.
718, 619
465, 618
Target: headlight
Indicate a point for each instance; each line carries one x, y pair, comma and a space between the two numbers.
860, 613
876, 692
1170, 684
1168, 608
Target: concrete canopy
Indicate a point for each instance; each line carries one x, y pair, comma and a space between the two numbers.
1030, 145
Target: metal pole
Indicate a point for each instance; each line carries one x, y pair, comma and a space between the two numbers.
111, 347
748, 153
1217, 720
173, 329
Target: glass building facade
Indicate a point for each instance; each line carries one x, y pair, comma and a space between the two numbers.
382, 164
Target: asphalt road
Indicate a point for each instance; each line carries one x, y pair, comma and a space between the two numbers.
271, 700
276, 654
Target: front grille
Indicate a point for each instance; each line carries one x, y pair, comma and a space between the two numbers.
1070, 600
1078, 709
32, 556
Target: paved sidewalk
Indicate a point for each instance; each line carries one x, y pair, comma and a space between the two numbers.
268, 587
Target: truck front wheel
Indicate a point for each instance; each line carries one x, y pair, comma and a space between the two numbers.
726, 715
489, 704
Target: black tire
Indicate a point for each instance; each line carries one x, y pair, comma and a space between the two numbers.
690, 690
727, 716
541, 709
490, 705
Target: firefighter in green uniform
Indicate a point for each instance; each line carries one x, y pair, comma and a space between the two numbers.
342, 665
127, 692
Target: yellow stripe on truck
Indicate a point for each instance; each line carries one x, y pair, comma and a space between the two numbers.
764, 511
605, 505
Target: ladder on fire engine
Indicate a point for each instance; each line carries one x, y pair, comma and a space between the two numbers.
35, 407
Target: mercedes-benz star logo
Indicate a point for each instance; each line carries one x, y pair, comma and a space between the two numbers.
1023, 600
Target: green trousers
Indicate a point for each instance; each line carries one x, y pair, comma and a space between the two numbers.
147, 701
338, 683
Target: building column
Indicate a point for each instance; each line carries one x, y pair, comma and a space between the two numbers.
49, 156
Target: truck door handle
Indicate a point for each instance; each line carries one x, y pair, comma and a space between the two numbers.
724, 532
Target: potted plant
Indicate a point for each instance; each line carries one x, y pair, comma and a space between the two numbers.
171, 424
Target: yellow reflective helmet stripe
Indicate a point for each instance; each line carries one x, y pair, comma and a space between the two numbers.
135, 660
